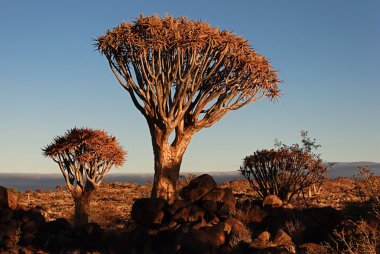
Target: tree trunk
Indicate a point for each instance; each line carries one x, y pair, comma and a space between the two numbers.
167, 163
82, 205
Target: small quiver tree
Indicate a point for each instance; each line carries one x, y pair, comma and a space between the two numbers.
285, 171
183, 75
84, 156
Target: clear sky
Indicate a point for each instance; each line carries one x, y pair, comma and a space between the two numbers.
327, 53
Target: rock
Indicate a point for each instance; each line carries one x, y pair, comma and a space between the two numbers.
196, 213
177, 204
27, 239
52, 227
288, 206
226, 210
282, 238
215, 195
148, 211
6, 215
33, 214
182, 215
256, 214
276, 250
196, 241
200, 224
8, 199
30, 227
273, 201
220, 195
216, 233
210, 206
239, 233
197, 188
262, 240
263, 237
311, 248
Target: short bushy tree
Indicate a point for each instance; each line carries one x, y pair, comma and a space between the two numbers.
84, 156
284, 171
183, 75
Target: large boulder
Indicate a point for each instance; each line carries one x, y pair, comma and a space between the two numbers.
197, 188
149, 211
8, 199
282, 238
272, 201
216, 234
220, 195
238, 233
196, 241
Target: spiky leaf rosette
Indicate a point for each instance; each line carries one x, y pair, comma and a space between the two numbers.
186, 73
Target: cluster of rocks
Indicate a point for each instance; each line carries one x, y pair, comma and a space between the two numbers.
207, 219
27, 231
203, 219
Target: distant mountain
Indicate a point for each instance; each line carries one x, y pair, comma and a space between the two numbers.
348, 169
20, 181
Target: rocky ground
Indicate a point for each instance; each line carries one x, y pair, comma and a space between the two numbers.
120, 197
227, 218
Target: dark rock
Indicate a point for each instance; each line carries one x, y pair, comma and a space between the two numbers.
197, 188
272, 201
226, 210
30, 227
210, 206
165, 242
55, 226
8, 199
216, 195
311, 248
282, 238
239, 234
149, 211
182, 215
33, 214
6, 215
229, 195
196, 213
196, 241
261, 240
199, 224
26, 239
216, 234
177, 204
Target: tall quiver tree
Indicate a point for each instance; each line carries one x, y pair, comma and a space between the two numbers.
84, 156
183, 75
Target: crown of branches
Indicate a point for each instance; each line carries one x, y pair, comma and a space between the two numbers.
126, 43
86, 145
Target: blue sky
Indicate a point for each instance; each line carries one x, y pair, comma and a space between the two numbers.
327, 53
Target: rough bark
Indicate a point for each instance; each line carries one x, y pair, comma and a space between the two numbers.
167, 161
82, 205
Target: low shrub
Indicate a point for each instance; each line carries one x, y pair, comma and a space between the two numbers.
285, 171
368, 189
354, 238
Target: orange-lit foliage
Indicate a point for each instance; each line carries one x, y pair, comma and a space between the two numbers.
84, 156
183, 75
285, 171
177, 66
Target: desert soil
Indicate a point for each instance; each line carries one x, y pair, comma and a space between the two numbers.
112, 202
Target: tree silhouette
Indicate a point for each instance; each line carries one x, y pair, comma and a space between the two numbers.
183, 75
84, 156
